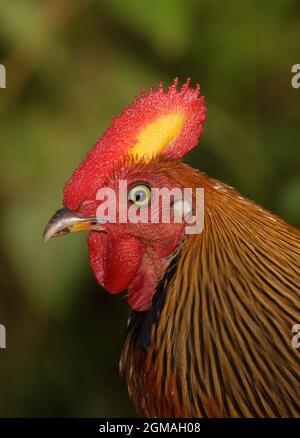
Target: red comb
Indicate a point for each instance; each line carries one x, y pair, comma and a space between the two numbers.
124, 133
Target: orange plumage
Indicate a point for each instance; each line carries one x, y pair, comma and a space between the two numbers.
210, 330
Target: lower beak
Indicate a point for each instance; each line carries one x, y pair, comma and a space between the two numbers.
64, 221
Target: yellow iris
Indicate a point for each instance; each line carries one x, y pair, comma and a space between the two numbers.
140, 195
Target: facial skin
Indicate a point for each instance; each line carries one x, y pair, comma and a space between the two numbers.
131, 256
134, 256
142, 145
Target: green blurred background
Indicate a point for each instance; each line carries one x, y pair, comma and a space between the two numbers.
71, 65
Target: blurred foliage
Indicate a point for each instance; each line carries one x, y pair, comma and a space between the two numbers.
70, 66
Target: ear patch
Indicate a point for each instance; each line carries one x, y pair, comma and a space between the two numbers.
183, 209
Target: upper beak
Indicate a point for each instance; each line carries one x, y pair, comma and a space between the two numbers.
64, 221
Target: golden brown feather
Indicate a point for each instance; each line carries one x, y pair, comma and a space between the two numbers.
221, 344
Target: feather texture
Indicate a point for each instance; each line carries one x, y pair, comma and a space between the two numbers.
220, 345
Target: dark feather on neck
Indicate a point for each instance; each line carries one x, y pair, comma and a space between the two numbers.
140, 323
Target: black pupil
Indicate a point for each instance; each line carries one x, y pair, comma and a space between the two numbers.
140, 196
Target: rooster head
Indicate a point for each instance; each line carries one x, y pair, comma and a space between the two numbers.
138, 153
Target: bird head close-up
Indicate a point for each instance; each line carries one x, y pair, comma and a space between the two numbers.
142, 148
150, 220
206, 306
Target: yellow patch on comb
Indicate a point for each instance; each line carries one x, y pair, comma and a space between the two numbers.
157, 136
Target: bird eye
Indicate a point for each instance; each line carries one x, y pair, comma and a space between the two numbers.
140, 195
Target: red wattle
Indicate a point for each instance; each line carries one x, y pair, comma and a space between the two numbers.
114, 260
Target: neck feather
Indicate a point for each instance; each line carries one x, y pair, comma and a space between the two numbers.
219, 336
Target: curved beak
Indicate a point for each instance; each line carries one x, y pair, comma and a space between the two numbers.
64, 221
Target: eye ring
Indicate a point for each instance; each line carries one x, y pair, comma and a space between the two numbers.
140, 195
